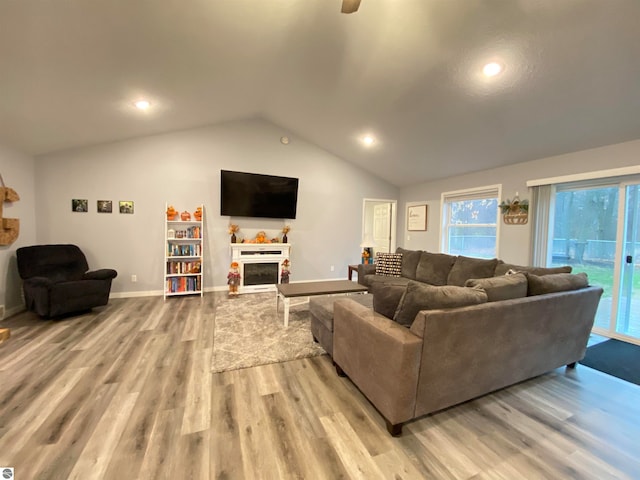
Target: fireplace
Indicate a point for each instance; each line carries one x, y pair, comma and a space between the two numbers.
260, 265
260, 273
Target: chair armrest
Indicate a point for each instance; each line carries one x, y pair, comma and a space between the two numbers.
102, 274
38, 282
380, 356
365, 269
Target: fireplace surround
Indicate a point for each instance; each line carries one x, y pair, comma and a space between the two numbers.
260, 265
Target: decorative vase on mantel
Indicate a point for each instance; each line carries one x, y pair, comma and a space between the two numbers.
284, 238
233, 238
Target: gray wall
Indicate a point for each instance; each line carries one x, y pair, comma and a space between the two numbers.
514, 240
18, 172
183, 169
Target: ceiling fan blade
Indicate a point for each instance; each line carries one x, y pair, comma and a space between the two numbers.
350, 6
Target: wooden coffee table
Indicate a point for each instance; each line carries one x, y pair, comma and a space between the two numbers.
309, 289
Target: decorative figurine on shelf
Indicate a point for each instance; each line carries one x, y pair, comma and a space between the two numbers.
365, 255
233, 279
261, 237
284, 274
285, 230
233, 229
171, 213
185, 216
198, 214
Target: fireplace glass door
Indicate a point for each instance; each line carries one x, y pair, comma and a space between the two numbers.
260, 274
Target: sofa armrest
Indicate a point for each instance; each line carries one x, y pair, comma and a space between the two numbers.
38, 282
365, 269
102, 274
380, 356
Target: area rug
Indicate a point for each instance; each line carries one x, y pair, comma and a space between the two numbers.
620, 359
248, 333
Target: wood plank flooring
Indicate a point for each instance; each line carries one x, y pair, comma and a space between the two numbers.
126, 392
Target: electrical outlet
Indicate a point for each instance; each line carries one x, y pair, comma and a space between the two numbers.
134, 278
408, 237
332, 268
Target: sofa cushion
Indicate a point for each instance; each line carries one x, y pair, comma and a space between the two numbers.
556, 282
434, 268
502, 269
468, 267
419, 296
372, 280
321, 307
388, 264
505, 287
386, 298
410, 260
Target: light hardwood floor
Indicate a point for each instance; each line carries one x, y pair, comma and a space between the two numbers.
125, 392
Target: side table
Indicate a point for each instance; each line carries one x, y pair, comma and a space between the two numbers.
352, 268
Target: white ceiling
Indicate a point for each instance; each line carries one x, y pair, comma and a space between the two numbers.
406, 71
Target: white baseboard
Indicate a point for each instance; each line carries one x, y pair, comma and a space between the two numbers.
158, 293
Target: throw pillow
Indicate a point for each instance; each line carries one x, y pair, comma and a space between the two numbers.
469, 267
410, 259
419, 296
501, 288
557, 282
386, 298
388, 264
434, 268
503, 269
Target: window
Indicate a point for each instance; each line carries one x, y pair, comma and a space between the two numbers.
470, 222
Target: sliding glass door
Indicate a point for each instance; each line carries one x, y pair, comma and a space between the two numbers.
596, 229
584, 236
628, 315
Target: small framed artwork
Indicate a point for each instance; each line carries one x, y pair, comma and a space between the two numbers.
79, 205
417, 217
126, 206
105, 206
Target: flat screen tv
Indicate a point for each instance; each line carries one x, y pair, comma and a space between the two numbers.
255, 195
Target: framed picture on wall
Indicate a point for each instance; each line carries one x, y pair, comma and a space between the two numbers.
105, 206
416, 217
126, 206
79, 205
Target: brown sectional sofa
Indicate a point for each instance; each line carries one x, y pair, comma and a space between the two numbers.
507, 332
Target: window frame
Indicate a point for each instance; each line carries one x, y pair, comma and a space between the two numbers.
477, 193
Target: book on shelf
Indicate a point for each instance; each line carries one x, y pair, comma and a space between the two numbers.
177, 250
184, 284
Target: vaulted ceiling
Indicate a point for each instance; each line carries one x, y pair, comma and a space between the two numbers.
407, 72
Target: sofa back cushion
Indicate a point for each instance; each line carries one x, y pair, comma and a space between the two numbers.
388, 264
434, 268
419, 296
386, 298
557, 282
410, 259
468, 267
505, 287
502, 269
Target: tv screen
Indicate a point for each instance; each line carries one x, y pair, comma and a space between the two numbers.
254, 195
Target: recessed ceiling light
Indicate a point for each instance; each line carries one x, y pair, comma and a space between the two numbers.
142, 104
492, 69
368, 140
284, 140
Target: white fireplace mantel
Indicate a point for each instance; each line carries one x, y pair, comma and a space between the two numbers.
252, 253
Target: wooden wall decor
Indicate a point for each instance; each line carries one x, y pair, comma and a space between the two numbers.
9, 227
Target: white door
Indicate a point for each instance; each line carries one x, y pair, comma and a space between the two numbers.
382, 227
